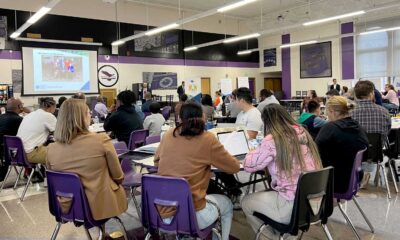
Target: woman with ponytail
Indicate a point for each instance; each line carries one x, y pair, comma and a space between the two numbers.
188, 151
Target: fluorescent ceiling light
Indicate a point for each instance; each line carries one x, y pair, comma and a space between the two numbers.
298, 44
161, 29
38, 15
234, 5
239, 38
381, 30
116, 43
373, 28
244, 52
188, 49
334, 18
15, 34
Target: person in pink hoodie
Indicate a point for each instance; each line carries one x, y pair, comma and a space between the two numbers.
286, 151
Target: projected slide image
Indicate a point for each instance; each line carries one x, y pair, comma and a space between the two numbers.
60, 68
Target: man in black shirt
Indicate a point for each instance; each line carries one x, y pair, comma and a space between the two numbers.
181, 89
9, 124
125, 119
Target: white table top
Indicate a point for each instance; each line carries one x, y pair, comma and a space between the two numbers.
395, 123
96, 127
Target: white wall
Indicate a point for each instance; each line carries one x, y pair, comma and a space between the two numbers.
306, 34
132, 73
132, 13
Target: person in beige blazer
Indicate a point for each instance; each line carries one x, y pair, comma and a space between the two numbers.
92, 156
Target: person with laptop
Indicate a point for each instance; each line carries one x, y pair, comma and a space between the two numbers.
188, 151
249, 116
286, 151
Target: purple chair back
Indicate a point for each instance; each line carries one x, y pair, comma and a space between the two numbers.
138, 138
166, 112
354, 183
146, 114
68, 185
153, 139
170, 192
120, 147
14, 152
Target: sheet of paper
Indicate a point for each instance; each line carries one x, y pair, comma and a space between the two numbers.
243, 82
226, 86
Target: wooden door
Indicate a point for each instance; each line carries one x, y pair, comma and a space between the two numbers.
206, 86
274, 84
110, 94
252, 86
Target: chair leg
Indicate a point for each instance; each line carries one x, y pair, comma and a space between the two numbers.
87, 233
260, 231
301, 235
363, 214
5, 178
281, 237
27, 185
254, 184
248, 186
18, 177
393, 176
349, 221
102, 232
386, 181
122, 227
148, 235
137, 206
55, 232
326, 231
216, 232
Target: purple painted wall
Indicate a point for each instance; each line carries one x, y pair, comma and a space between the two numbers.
347, 46
286, 68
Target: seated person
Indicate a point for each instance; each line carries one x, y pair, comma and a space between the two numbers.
154, 121
178, 106
391, 98
35, 129
232, 108
311, 95
100, 109
148, 101
207, 106
188, 151
9, 124
266, 97
90, 155
60, 101
286, 151
339, 141
249, 116
125, 119
312, 119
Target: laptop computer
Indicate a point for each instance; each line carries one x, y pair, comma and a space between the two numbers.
235, 143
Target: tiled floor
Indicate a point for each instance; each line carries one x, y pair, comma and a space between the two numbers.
32, 220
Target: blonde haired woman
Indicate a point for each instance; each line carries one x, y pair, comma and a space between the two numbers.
92, 156
339, 141
286, 151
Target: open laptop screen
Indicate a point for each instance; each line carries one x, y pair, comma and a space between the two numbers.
234, 142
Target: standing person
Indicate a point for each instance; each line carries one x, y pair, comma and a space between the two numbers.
154, 121
178, 106
249, 116
181, 89
266, 98
90, 155
188, 151
125, 119
286, 151
9, 124
35, 129
335, 85
339, 141
218, 101
391, 96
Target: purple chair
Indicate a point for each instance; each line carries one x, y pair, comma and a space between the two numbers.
354, 186
64, 186
146, 114
171, 192
152, 139
131, 181
166, 112
15, 156
120, 147
137, 139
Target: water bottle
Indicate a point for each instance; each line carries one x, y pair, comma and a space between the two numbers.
164, 128
96, 120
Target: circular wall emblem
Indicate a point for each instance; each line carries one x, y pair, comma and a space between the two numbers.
166, 82
107, 75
